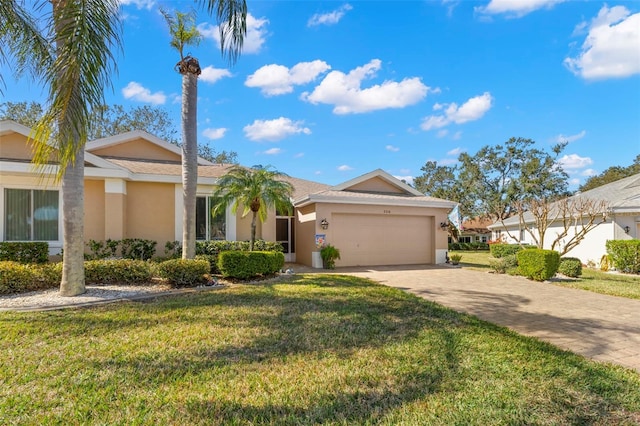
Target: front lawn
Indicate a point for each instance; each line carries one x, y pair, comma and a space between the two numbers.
611, 283
317, 349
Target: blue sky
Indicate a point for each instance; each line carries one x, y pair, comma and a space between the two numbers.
328, 90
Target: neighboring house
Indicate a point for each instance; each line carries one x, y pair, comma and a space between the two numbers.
133, 189
475, 231
622, 221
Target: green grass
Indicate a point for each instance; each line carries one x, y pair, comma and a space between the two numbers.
317, 349
613, 284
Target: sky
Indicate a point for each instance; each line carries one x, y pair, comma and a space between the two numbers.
330, 90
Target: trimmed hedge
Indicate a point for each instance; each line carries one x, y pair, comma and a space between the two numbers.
124, 271
129, 248
24, 252
502, 250
184, 272
625, 255
211, 249
478, 245
538, 264
247, 264
18, 277
570, 267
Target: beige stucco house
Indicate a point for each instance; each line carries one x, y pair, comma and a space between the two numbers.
133, 189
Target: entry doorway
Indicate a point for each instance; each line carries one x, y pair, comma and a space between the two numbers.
285, 235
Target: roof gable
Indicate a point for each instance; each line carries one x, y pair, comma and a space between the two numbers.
378, 181
138, 145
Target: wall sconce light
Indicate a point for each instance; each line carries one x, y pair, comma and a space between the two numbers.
626, 229
324, 224
444, 226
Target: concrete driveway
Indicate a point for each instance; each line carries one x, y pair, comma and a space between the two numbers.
604, 328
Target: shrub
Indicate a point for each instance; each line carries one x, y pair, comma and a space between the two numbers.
505, 264
538, 264
103, 249
625, 255
329, 256
184, 272
502, 250
125, 271
570, 267
24, 252
18, 277
243, 265
455, 258
137, 248
454, 246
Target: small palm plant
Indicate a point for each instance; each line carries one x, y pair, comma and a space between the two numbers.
455, 258
329, 255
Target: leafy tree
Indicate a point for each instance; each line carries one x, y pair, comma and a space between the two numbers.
69, 49
184, 33
611, 174
497, 177
442, 182
257, 190
110, 120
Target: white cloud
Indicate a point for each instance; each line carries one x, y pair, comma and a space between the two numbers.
471, 110
515, 8
276, 79
407, 179
253, 40
329, 18
273, 151
140, 4
610, 49
454, 152
447, 161
574, 182
345, 168
299, 155
344, 91
274, 130
574, 161
457, 135
213, 134
442, 133
392, 148
137, 92
211, 74
570, 138
589, 172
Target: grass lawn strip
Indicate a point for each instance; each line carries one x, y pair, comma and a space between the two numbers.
332, 350
610, 283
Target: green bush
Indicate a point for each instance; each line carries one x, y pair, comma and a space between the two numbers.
329, 256
129, 248
243, 264
184, 272
625, 255
502, 250
454, 246
124, 271
24, 252
570, 267
503, 265
18, 277
538, 264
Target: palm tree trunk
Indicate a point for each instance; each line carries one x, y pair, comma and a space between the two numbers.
253, 230
72, 282
189, 163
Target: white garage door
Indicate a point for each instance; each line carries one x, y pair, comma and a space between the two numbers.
382, 239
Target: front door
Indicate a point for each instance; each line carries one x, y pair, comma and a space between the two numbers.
285, 235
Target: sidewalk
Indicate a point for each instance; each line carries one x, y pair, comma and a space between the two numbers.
604, 328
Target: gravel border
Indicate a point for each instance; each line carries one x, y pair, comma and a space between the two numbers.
95, 295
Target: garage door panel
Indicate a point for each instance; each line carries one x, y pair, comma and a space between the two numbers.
382, 239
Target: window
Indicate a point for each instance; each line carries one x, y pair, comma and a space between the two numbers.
465, 239
208, 225
31, 215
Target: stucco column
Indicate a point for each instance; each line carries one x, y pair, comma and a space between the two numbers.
115, 204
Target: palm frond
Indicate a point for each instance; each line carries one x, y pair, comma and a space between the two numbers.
232, 21
86, 34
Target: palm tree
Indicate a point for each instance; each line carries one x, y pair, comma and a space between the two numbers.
73, 57
257, 190
233, 14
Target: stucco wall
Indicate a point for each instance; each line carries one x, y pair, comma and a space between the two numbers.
94, 205
376, 184
16, 146
150, 212
305, 234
